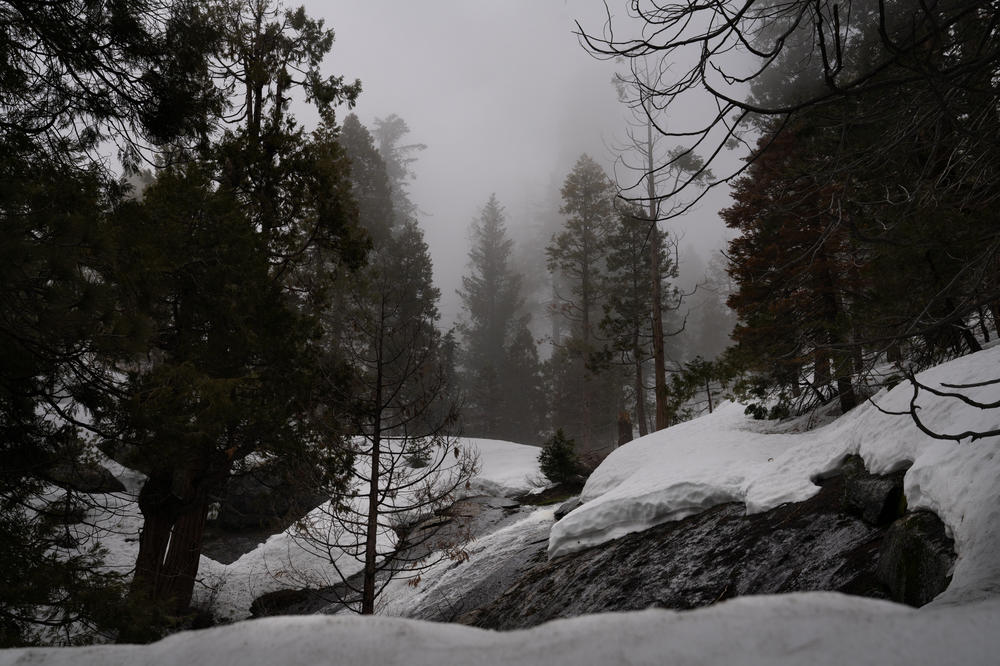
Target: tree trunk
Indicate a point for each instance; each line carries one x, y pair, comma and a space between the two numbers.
153, 542
371, 529
659, 358
821, 371
845, 389
624, 428
640, 388
175, 584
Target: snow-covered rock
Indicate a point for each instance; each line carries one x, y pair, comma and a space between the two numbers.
726, 457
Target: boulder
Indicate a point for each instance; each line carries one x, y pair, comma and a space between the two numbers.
717, 554
567, 506
268, 497
916, 558
876, 499
83, 476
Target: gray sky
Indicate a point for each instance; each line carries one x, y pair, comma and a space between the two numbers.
502, 94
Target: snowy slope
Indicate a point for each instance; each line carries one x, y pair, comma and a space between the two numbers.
725, 457
722, 457
281, 562
505, 469
816, 628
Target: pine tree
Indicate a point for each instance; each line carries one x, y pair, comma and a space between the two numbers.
578, 256
70, 78
399, 395
398, 158
792, 266
500, 363
626, 326
242, 248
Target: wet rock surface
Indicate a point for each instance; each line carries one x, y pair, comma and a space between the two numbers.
853, 536
916, 559
467, 519
824, 543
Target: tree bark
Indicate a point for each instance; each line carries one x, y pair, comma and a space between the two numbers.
659, 358
175, 584
640, 388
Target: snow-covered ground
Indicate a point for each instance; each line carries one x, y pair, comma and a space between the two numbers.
281, 562
816, 628
718, 458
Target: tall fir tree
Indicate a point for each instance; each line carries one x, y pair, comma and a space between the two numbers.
578, 257
500, 362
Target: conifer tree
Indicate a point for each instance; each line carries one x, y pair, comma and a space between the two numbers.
399, 396
500, 363
249, 235
72, 77
578, 255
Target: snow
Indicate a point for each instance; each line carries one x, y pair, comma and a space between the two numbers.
505, 468
723, 457
448, 580
813, 628
728, 457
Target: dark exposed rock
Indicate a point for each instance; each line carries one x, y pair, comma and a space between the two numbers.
83, 476
567, 506
835, 541
273, 603
702, 559
269, 497
554, 494
467, 518
916, 559
878, 500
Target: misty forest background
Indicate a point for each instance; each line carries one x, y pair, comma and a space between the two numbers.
235, 286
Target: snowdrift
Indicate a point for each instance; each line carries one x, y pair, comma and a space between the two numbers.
815, 628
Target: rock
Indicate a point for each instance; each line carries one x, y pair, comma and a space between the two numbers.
65, 512
274, 603
916, 559
878, 500
503, 503
83, 476
269, 497
715, 555
567, 506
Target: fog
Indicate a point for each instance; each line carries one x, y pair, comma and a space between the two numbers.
505, 99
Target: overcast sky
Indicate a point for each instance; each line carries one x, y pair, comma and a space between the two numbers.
502, 94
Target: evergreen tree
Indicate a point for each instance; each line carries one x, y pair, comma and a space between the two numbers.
70, 78
398, 158
578, 256
238, 265
500, 362
793, 311
626, 327
399, 395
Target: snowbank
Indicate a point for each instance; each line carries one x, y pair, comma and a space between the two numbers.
725, 457
505, 468
814, 628
282, 562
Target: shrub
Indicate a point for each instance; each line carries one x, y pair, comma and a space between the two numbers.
558, 459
